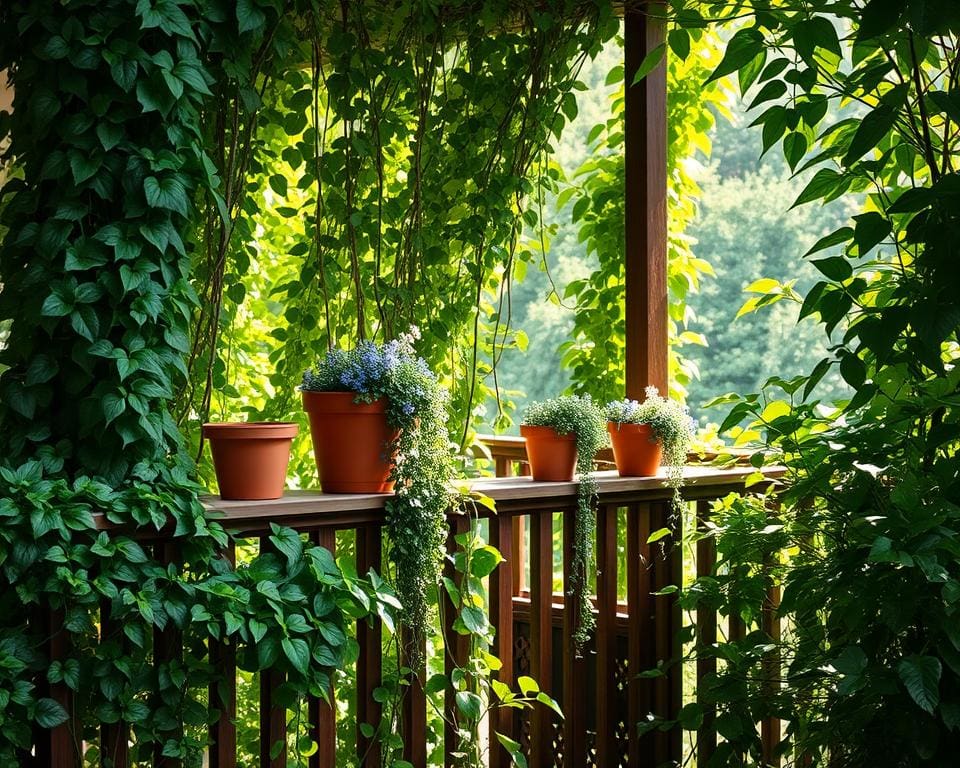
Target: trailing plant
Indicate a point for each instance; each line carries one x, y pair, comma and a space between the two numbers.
479, 695
671, 425
864, 546
345, 210
581, 417
423, 465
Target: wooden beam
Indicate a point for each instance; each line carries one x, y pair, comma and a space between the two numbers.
645, 147
6, 93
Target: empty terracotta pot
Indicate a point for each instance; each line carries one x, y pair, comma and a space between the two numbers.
552, 457
250, 459
635, 449
351, 442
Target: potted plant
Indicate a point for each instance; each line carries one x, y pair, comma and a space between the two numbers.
646, 434
250, 459
564, 434
379, 409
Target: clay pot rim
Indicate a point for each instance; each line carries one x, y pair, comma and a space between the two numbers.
538, 430
250, 430
628, 426
341, 401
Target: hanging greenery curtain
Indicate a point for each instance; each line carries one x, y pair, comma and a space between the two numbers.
377, 177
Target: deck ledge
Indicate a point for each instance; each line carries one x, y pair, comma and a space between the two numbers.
305, 509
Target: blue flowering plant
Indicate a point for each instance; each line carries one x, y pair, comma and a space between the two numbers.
423, 465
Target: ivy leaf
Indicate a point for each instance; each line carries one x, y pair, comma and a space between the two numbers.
42, 368
168, 193
113, 406
298, 652
288, 542
249, 17
124, 74
470, 704
55, 305
921, 676
192, 75
49, 714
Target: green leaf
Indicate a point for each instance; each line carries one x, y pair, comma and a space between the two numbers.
875, 125
250, 17
921, 676
794, 148
836, 268
168, 193
824, 184
679, 40
743, 47
288, 542
49, 714
649, 63
470, 704
662, 533
842, 235
484, 561
113, 406
871, 229
437, 683
42, 368
298, 652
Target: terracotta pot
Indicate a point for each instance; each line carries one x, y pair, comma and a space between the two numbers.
350, 442
635, 450
250, 459
552, 457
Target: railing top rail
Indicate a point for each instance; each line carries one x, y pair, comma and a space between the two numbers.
514, 495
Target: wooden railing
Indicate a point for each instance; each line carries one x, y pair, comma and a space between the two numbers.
600, 692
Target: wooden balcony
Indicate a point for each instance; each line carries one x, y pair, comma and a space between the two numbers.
600, 693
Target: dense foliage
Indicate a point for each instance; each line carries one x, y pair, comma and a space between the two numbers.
583, 418
423, 459
865, 543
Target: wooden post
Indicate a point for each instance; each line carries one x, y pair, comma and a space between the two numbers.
645, 201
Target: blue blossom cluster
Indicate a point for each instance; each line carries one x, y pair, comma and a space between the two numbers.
392, 370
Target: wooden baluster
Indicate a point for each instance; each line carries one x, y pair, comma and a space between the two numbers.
414, 712
55, 747
370, 663
608, 750
323, 715
273, 716
574, 665
503, 720
223, 695
541, 632
456, 646
503, 467
706, 638
114, 737
641, 654
770, 624
167, 647
668, 620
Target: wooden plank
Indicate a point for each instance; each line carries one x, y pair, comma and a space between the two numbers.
370, 663
56, 747
706, 637
641, 651
503, 720
608, 748
541, 633
519, 527
645, 160
667, 556
323, 715
222, 752
273, 716
167, 648
114, 737
456, 647
414, 705
574, 664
